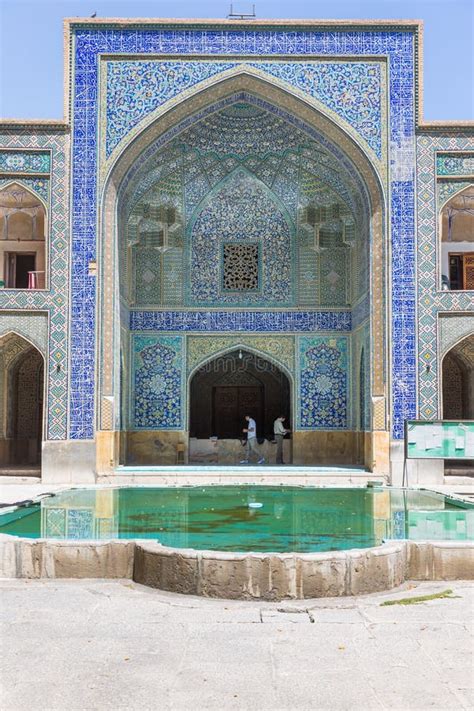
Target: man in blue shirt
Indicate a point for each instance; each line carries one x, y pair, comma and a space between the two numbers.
252, 448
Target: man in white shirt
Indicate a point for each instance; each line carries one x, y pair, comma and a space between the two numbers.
251, 431
279, 432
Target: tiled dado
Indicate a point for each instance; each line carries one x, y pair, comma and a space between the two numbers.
89, 42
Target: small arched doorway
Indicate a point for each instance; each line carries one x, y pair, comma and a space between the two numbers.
239, 383
22, 239
457, 242
458, 381
22, 386
458, 393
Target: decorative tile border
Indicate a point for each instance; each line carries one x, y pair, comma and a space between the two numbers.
397, 45
246, 321
455, 164
25, 161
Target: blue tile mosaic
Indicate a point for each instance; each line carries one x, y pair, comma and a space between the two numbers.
241, 210
323, 383
157, 382
350, 89
90, 42
252, 321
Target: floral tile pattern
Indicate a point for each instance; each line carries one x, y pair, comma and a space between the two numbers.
242, 210
351, 89
323, 383
157, 382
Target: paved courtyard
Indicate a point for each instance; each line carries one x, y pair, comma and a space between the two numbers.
96, 644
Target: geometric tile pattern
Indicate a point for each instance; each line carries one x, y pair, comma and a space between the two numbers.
432, 301
54, 522
453, 329
323, 382
54, 190
448, 188
351, 89
397, 46
32, 326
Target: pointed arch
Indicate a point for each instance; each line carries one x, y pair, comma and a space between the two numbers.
364, 172
457, 379
24, 186
22, 393
23, 237
240, 354
453, 196
228, 82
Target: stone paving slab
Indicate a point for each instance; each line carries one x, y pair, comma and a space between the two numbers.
92, 644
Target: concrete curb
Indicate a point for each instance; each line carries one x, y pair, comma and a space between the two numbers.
266, 576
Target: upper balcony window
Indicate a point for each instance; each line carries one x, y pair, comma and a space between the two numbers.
457, 242
22, 239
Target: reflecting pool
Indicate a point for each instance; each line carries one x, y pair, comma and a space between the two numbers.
245, 518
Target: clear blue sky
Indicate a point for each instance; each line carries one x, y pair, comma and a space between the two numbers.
31, 43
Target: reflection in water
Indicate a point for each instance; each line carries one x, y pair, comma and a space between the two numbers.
220, 518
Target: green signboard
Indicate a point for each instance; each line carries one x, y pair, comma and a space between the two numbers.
439, 439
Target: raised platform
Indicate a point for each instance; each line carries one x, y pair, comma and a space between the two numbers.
190, 474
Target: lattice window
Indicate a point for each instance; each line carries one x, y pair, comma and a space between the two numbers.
469, 271
240, 267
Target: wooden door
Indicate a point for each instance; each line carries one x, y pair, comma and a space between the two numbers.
230, 405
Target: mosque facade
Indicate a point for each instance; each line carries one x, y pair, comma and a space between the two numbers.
233, 218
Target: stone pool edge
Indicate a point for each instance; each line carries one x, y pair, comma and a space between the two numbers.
266, 576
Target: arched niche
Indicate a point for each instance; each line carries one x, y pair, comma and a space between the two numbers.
362, 171
22, 238
457, 241
237, 228
458, 381
226, 388
22, 394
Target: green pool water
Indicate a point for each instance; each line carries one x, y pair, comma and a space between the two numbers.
245, 518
